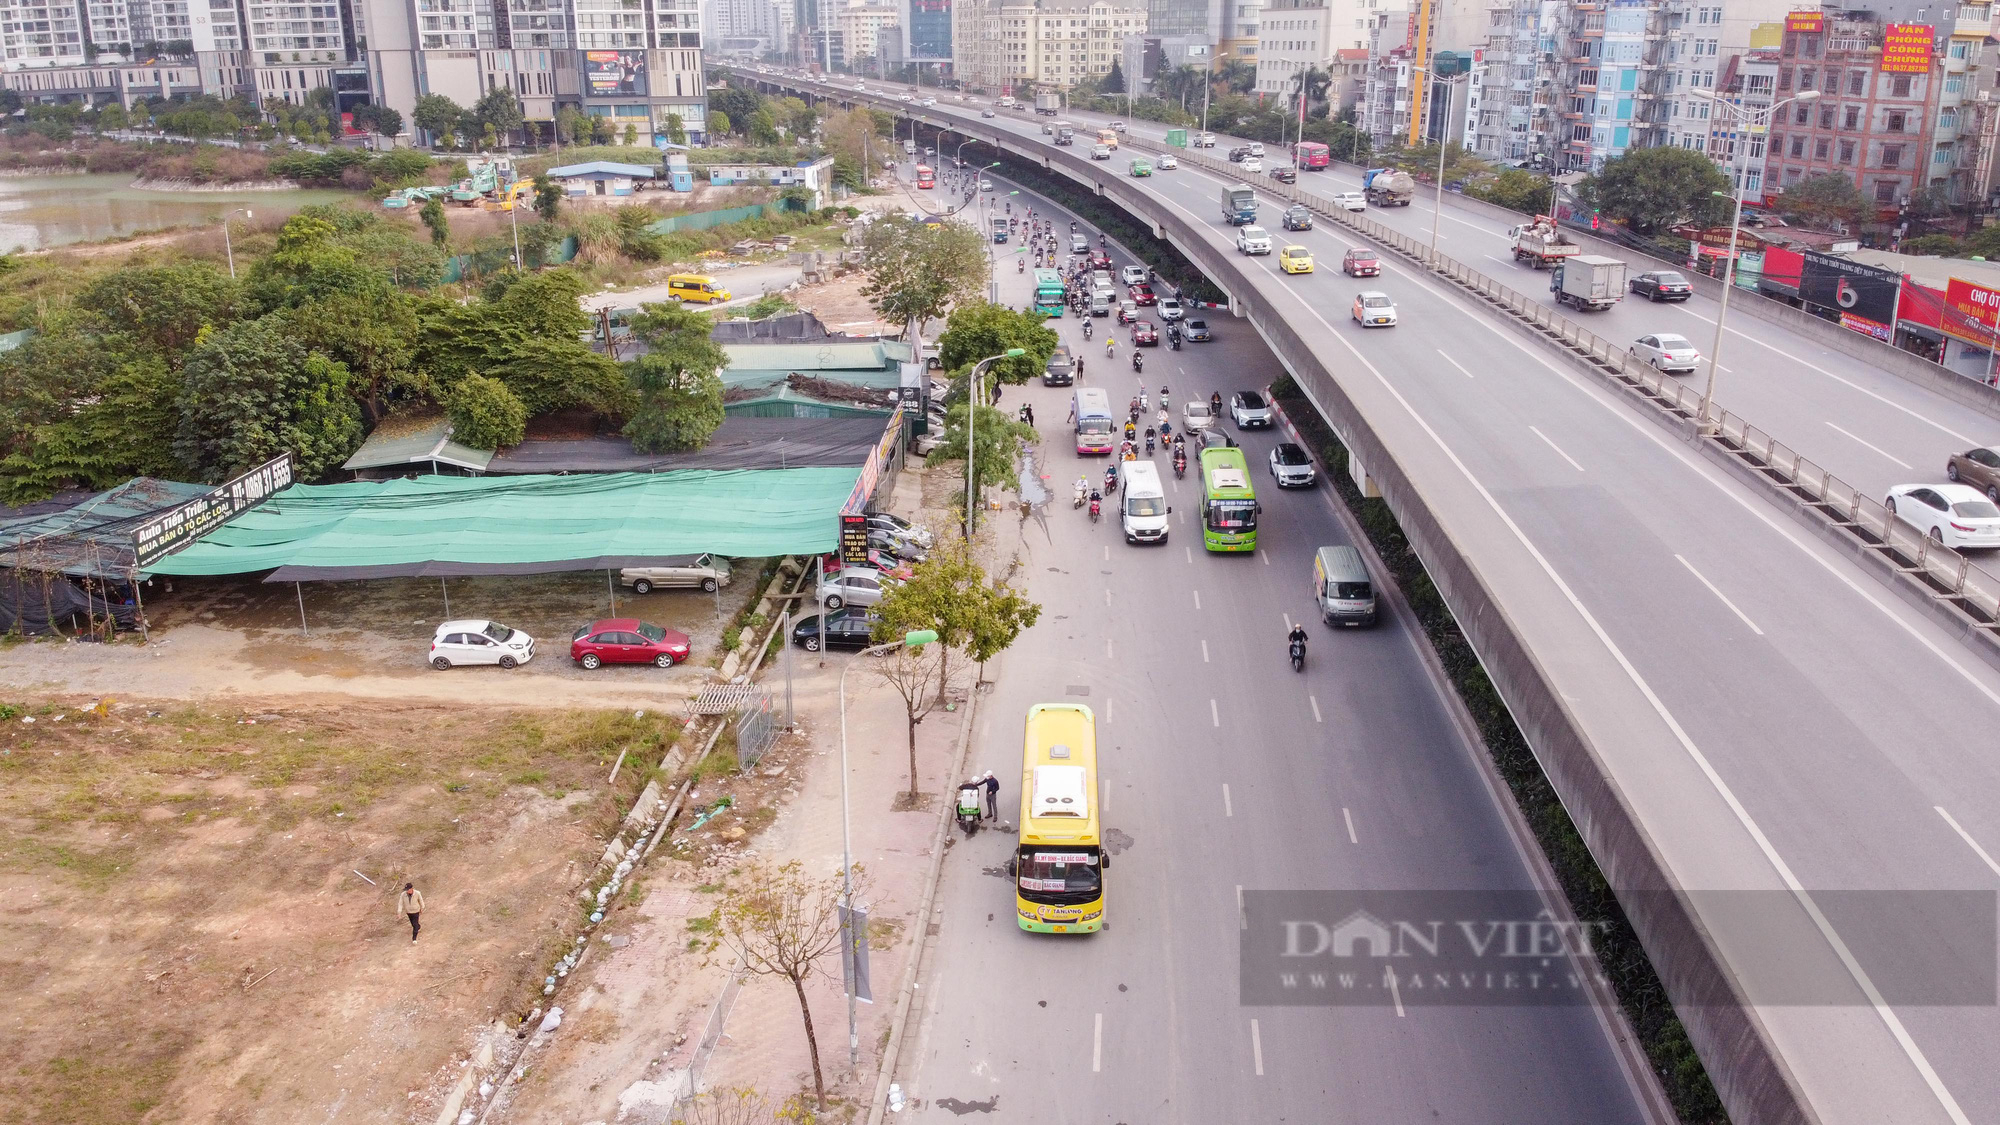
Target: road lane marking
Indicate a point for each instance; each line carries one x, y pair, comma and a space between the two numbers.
1204, 650
1557, 448
1097, 1045
1107, 709
1107, 552
1190, 555
1455, 363
1720, 596
1242, 915
1349, 818
1314, 700
1397, 993
1228, 809
1969, 841
1256, 1049
1197, 599
1288, 622
1858, 440
1107, 648
1103, 795
1107, 596
1214, 716
1266, 556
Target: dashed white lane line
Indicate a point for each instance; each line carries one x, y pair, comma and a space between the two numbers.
1720, 596
1557, 448
1190, 555
1097, 1045
1107, 595
1228, 808
1204, 650
1349, 818
1455, 363
1864, 443
1107, 709
1314, 700
1266, 556
1214, 716
1969, 841
1256, 1049
1197, 599
1107, 552
1107, 648
1242, 916
1398, 994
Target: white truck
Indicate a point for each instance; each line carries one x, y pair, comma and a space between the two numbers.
1048, 103
1588, 282
1541, 244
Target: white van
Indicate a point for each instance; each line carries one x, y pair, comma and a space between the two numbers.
1144, 510
1342, 588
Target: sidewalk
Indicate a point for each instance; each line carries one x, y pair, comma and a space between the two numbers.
631, 1031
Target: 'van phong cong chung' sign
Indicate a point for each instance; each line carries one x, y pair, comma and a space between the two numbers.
1907, 47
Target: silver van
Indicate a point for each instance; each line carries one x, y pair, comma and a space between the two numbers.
1342, 587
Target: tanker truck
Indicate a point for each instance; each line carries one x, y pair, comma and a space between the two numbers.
1388, 187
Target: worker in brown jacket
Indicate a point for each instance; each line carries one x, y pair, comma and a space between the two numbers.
411, 904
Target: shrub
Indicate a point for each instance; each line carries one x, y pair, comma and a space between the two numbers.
485, 414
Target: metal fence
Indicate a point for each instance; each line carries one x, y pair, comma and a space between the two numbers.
1947, 572
711, 1036
756, 728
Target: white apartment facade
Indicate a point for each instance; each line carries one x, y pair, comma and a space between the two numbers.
865, 26
1296, 36
1054, 43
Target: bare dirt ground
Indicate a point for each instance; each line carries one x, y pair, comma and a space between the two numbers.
218, 637
186, 937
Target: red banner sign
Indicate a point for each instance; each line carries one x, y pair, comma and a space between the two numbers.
1907, 47
1975, 302
1806, 23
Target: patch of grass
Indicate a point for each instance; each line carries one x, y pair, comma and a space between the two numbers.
1590, 896
704, 924
709, 889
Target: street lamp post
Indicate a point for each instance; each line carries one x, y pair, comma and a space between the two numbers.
1208, 87
1735, 225
916, 639
972, 412
228, 251
1444, 139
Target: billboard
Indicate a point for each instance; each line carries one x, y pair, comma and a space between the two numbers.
1861, 297
927, 28
1907, 47
177, 527
1975, 303
614, 74
1806, 23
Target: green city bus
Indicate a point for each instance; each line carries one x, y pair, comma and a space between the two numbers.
1228, 504
1048, 293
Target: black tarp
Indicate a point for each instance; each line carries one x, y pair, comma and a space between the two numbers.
39, 603
739, 443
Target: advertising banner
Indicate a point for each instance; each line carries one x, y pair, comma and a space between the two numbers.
1862, 298
614, 74
1907, 47
1975, 303
179, 526
1806, 23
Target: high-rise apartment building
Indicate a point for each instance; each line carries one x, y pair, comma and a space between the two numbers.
865, 25
927, 31
1296, 35
1005, 43
1513, 119
42, 34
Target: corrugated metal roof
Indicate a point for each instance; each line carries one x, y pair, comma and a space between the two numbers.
93, 536
605, 168
392, 445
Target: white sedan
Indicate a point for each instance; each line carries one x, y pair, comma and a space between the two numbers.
1955, 515
1132, 275
1350, 201
479, 641
1196, 416
1666, 352
1100, 152
1166, 161
1170, 308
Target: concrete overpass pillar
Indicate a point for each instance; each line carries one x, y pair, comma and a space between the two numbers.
1362, 480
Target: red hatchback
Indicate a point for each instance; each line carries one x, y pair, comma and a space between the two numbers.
627, 640
1144, 335
1143, 294
1099, 260
1360, 263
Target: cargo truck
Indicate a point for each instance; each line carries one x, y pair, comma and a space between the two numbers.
1177, 138
1541, 244
1588, 282
1388, 187
1048, 103
1239, 205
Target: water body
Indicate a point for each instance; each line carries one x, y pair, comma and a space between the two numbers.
42, 211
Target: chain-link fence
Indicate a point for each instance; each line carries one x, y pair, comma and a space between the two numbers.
756, 728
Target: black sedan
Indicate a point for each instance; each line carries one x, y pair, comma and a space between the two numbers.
848, 628
1284, 174
1197, 330
1662, 285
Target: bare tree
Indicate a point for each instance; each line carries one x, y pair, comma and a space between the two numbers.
918, 677
783, 923
740, 1105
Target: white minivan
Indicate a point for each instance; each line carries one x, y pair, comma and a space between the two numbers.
1144, 510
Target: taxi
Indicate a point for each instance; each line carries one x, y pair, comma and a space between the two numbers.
1360, 263
1141, 168
1295, 259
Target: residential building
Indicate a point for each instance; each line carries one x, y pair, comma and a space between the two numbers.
1514, 123
926, 30
740, 26
1872, 119
1609, 77
865, 25
1003, 43
36, 33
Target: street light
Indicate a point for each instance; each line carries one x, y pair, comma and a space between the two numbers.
971, 412
227, 251
915, 639
1208, 87
1735, 224
1444, 137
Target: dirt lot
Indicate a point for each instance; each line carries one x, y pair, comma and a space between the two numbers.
186, 937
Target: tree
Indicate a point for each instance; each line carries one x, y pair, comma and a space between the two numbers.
739, 1106
718, 123
763, 128
917, 271
112, 117
917, 678
1000, 436
1516, 189
249, 393
162, 308
851, 137
1113, 81
978, 329
548, 198
124, 429
310, 262
499, 110
631, 134
1826, 198
432, 215
374, 335
677, 133
1656, 189
739, 103
570, 124
600, 130
950, 595
677, 389
549, 374
782, 922
485, 414
439, 116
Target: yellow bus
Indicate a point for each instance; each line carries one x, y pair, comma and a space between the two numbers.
696, 287
1059, 864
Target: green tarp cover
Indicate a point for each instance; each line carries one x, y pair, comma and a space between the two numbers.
441, 525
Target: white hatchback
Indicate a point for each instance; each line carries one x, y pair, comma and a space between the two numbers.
1132, 275
1253, 164
1166, 161
1955, 515
479, 641
1350, 201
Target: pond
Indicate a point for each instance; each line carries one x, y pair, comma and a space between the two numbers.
43, 211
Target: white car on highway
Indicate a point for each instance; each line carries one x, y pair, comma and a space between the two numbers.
1955, 515
1100, 152
1666, 352
1170, 308
1132, 275
1374, 310
1254, 240
1196, 415
1166, 160
1350, 201
1253, 164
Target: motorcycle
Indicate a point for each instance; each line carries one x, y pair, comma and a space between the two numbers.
1081, 493
1086, 330
1096, 506
1180, 465
1149, 443
1174, 340
968, 809
1020, 265
1138, 361
1298, 656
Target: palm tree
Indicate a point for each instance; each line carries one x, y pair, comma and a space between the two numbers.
1238, 75
1178, 84
1314, 83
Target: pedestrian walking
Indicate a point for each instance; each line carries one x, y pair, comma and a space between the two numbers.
411, 904
996, 392
992, 787
1028, 413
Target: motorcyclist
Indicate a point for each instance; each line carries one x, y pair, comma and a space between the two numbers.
1138, 360
1110, 479
1110, 349
1020, 265
1296, 640
1096, 503
1215, 403
1086, 330
1151, 434
1131, 430
1180, 460
1163, 396
1082, 488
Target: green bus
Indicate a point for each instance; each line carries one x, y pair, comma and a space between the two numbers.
1228, 504
1048, 293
